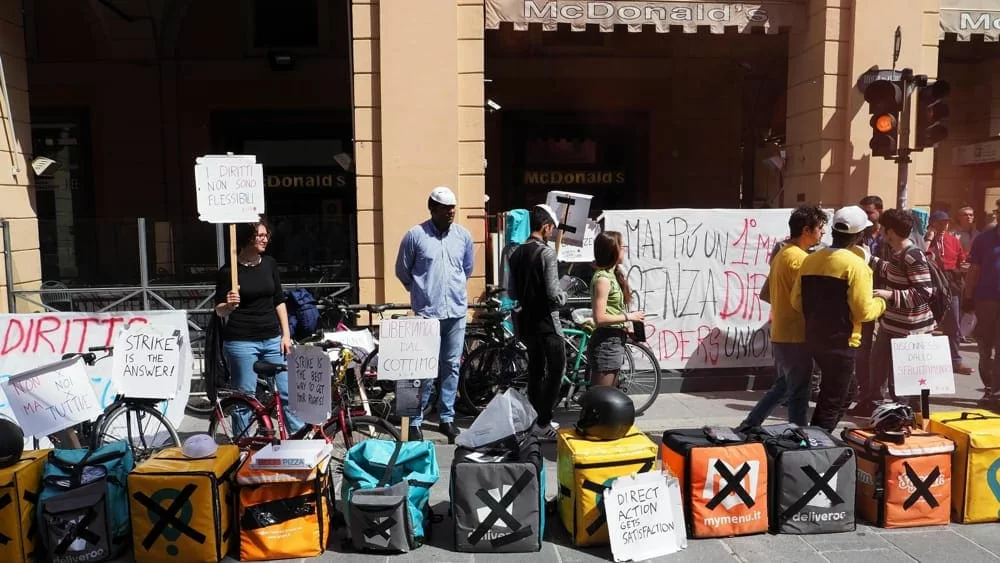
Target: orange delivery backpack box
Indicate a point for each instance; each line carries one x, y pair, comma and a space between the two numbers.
902, 484
284, 514
723, 479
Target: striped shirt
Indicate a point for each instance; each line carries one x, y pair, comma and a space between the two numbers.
908, 276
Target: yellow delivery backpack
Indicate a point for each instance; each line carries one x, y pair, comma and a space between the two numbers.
975, 468
585, 467
182, 508
19, 487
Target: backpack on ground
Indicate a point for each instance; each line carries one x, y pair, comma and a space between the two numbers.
940, 301
386, 490
83, 512
303, 314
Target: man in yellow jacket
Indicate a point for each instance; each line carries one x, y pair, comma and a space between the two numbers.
834, 293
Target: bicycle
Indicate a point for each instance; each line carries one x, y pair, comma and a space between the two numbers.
135, 412
638, 356
261, 428
499, 363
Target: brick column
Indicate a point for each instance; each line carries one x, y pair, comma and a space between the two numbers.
427, 57
368, 149
829, 160
16, 186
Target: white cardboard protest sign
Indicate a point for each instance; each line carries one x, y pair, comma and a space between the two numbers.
230, 188
645, 516
922, 362
310, 376
579, 212
409, 348
583, 253
52, 397
697, 274
30, 340
147, 362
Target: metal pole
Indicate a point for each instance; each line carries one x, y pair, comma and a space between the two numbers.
903, 160
8, 266
220, 245
143, 264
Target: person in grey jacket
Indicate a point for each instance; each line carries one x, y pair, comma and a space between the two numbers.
534, 283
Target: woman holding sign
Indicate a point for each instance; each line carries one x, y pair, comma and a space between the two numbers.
609, 299
256, 325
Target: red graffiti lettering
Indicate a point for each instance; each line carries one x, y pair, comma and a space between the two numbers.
708, 343
734, 286
51, 334
41, 333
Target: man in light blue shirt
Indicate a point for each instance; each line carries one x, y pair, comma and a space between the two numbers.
434, 264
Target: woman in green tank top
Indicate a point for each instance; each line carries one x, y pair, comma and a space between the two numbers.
609, 299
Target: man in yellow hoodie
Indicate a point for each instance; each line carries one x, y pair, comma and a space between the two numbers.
834, 293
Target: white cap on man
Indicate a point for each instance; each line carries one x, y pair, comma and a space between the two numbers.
851, 220
444, 196
551, 213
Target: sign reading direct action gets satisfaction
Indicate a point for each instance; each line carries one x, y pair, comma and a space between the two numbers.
409, 348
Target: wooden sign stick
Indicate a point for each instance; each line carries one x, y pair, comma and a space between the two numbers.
234, 279
404, 432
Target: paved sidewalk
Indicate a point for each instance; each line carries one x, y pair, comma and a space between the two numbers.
949, 543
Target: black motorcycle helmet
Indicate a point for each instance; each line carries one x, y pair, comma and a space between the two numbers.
606, 414
11, 443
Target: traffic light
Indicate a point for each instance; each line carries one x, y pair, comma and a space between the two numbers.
932, 113
885, 101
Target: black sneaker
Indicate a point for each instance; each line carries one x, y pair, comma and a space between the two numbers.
450, 430
415, 435
545, 433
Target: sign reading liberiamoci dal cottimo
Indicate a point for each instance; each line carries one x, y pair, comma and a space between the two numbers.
409, 348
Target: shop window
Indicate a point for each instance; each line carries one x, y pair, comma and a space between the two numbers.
288, 23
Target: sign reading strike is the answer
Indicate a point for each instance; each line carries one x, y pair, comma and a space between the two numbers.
230, 188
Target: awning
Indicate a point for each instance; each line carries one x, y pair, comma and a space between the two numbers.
966, 18
685, 15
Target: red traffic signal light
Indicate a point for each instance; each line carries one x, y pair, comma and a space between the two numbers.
885, 101
932, 114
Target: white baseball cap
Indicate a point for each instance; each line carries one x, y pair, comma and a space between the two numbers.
851, 220
551, 213
199, 446
444, 196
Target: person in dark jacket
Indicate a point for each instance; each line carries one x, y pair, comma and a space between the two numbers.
257, 318
534, 277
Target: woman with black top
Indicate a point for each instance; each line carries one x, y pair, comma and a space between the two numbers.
257, 319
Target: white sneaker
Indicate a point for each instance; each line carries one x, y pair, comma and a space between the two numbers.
554, 425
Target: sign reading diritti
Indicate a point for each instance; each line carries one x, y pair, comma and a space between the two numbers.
669, 13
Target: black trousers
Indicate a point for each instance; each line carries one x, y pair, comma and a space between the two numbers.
864, 364
836, 389
546, 364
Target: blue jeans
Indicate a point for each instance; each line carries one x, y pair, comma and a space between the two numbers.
452, 343
240, 356
793, 364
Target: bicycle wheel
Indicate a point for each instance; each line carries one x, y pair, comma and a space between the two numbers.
145, 428
489, 370
198, 403
640, 375
256, 434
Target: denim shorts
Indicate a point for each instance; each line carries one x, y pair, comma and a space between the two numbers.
606, 350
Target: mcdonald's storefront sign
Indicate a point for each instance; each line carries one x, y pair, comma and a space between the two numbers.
305, 180
571, 177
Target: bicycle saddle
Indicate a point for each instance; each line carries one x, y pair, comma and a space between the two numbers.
267, 369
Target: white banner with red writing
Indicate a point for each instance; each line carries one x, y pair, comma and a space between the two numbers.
28, 341
697, 274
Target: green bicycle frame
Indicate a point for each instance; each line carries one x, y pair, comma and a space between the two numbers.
572, 374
